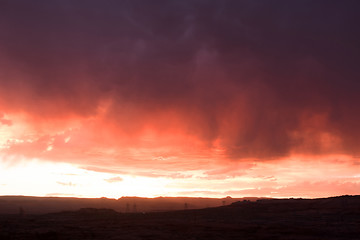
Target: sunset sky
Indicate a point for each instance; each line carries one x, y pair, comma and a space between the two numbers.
180, 98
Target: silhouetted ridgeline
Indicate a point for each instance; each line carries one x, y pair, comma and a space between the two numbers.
41, 205
336, 218
340, 202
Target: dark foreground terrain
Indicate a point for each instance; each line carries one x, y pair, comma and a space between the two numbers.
330, 218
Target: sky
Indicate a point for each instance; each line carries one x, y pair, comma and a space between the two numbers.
198, 98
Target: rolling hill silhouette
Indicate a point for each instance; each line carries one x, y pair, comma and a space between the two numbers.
326, 218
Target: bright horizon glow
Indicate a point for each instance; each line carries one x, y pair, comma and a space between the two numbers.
35, 178
39, 178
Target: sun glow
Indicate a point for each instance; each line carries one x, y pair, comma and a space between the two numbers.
43, 178
37, 178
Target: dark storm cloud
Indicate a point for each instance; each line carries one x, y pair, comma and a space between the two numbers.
264, 77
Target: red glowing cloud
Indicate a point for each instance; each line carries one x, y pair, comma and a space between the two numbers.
177, 87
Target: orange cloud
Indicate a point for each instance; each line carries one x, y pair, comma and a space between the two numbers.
183, 90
